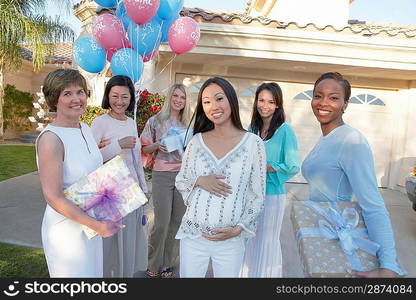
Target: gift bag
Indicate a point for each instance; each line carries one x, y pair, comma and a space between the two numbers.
108, 193
332, 238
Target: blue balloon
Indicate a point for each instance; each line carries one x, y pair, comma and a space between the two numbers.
107, 3
168, 8
127, 62
122, 15
145, 38
165, 27
89, 55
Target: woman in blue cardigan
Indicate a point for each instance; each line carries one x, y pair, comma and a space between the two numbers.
263, 255
342, 164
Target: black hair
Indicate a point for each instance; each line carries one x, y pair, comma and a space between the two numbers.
202, 123
119, 80
338, 78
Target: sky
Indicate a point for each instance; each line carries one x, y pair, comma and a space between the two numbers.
382, 11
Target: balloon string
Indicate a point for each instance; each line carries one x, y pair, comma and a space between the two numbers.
137, 87
164, 68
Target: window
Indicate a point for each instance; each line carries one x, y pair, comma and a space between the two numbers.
366, 99
251, 92
194, 89
306, 95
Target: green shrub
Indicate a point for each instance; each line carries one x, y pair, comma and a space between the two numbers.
148, 105
17, 108
91, 112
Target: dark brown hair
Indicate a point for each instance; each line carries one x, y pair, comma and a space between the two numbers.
278, 115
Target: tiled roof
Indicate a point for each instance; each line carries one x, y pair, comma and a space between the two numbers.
80, 3
61, 55
354, 26
243, 18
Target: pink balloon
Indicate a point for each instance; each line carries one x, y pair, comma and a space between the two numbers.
183, 35
109, 32
141, 11
110, 51
148, 57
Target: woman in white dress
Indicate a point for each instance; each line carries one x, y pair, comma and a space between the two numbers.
125, 252
222, 181
263, 256
66, 152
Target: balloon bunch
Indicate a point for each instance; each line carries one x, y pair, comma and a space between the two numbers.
132, 36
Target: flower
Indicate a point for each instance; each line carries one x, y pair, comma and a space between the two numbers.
148, 105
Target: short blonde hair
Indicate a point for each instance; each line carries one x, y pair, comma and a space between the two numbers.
163, 115
56, 81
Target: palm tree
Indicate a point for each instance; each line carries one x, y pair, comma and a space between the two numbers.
24, 22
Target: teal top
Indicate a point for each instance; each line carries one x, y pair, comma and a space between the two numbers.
282, 155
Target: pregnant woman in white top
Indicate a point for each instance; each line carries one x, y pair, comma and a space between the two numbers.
222, 181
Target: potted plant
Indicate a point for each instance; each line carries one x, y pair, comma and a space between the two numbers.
411, 187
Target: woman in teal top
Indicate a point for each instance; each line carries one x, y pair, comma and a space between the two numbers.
263, 255
341, 163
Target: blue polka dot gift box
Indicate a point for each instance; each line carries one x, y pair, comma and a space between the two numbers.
332, 238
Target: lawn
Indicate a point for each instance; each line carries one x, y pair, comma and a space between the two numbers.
23, 262
16, 160
17, 261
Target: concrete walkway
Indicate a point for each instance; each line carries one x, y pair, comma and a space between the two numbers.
22, 207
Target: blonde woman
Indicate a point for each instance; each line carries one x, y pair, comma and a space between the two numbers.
167, 201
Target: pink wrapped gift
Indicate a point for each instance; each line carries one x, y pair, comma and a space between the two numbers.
108, 193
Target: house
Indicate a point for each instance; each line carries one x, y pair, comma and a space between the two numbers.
292, 42
255, 46
27, 80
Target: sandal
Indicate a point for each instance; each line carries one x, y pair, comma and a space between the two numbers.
151, 274
166, 273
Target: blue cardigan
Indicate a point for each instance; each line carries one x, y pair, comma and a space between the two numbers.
282, 155
341, 164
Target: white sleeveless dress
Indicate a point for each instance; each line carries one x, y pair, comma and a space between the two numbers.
68, 251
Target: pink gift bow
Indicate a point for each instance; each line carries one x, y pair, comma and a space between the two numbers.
108, 196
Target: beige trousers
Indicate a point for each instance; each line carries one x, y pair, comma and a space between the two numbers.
168, 212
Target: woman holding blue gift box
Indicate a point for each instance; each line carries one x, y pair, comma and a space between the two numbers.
341, 163
66, 152
167, 201
263, 255
126, 252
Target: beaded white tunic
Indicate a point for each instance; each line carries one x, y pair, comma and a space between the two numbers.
245, 170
